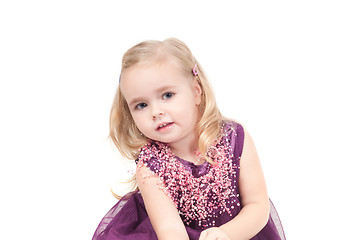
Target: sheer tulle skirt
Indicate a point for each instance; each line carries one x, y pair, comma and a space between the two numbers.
128, 220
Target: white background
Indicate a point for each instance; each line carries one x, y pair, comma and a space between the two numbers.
288, 70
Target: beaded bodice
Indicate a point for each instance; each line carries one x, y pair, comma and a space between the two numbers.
202, 193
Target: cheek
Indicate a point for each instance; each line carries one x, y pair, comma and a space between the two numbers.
140, 121
137, 119
187, 109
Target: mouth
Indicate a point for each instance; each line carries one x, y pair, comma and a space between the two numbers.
164, 125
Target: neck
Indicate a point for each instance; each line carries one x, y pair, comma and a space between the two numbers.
186, 149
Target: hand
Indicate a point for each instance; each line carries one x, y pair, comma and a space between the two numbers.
213, 233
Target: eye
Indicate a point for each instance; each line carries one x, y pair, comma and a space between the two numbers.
167, 95
141, 106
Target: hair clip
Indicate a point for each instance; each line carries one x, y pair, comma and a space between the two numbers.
195, 70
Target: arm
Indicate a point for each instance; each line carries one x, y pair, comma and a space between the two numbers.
162, 213
255, 211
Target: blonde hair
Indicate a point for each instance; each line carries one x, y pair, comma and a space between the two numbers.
123, 131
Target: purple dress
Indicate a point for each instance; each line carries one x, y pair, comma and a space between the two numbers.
205, 195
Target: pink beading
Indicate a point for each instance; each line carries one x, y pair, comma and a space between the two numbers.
196, 198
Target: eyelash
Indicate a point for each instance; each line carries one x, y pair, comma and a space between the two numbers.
140, 106
165, 96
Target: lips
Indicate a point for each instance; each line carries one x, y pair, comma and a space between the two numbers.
164, 125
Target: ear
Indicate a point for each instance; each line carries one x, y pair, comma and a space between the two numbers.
197, 90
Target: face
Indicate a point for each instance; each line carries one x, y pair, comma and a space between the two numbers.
163, 101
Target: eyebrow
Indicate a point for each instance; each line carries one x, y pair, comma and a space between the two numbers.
135, 100
159, 90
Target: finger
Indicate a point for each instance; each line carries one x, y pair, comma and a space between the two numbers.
203, 235
210, 235
215, 234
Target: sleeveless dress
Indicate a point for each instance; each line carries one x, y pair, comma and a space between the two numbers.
205, 195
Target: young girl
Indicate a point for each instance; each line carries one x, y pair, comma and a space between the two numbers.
198, 174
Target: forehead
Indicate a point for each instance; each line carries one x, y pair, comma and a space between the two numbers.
142, 78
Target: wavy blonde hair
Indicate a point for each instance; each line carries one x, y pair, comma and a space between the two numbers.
123, 131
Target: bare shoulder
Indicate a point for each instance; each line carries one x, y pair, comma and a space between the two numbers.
149, 185
249, 151
249, 147
145, 176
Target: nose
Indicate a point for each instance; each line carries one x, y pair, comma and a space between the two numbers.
155, 116
156, 112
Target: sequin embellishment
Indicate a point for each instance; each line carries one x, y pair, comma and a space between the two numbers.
196, 198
